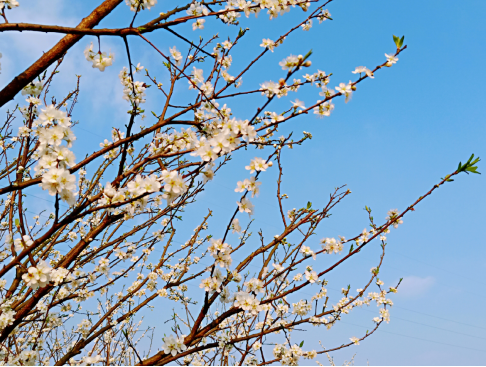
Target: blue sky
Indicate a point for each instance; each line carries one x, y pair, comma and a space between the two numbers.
394, 140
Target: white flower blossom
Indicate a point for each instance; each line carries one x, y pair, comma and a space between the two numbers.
391, 59
100, 60
136, 5
245, 206
9, 4
174, 345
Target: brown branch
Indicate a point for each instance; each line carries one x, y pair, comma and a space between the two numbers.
80, 31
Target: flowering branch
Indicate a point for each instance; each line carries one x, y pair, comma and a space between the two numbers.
76, 285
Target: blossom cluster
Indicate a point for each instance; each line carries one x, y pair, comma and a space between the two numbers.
213, 283
247, 302
197, 9
173, 345
222, 138
301, 308
221, 253
19, 243
6, 318
134, 92
274, 8
393, 217
99, 59
52, 128
323, 15
172, 182
34, 89
41, 274
291, 62
244, 299
250, 185
258, 164
331, 245
136, 5
290, 356
174, 142
176, 55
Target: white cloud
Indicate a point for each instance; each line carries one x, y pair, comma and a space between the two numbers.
414, 286
21, 49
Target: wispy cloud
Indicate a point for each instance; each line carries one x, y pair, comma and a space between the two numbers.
21, 49
414, 286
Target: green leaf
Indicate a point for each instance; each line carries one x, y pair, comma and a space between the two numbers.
242, 32
17, 222
309, 205
447, 178
398, 41
307, 55
473, 170
351, 249
301, 344
469, 166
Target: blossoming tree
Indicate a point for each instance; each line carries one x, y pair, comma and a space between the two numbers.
75, 284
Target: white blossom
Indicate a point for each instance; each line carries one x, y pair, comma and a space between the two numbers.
136, 5
245, 206
100, 60
174, 345
9, 4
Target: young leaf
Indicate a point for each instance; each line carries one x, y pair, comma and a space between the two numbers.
242, 32
398, 41
447, 178
469, 166
301, 344
307, 55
